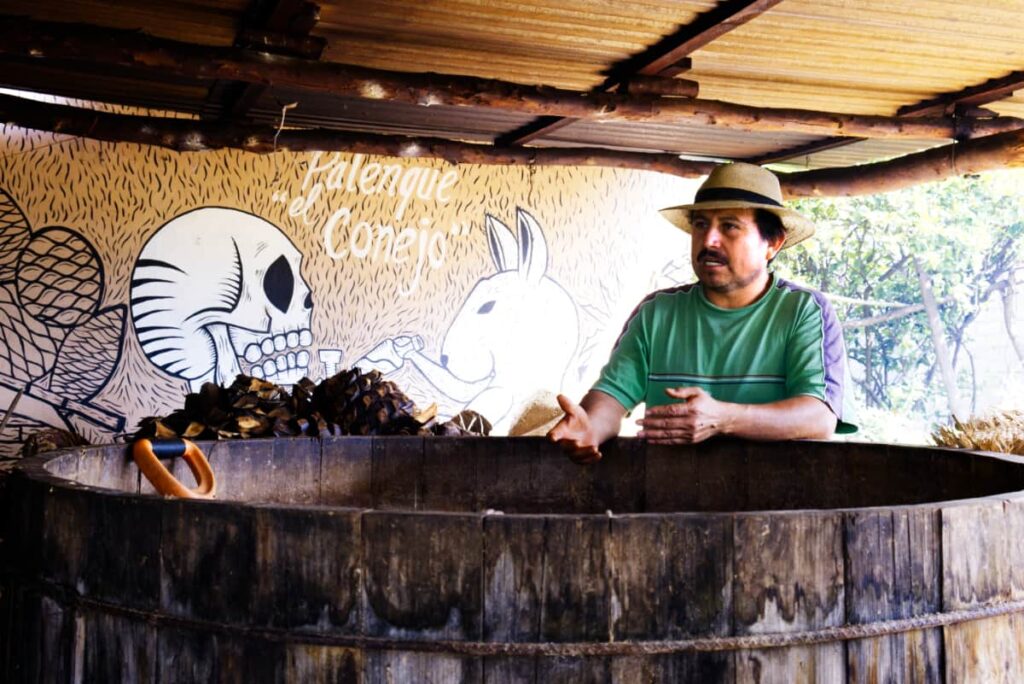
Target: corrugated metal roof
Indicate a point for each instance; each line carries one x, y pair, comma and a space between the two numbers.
848, 56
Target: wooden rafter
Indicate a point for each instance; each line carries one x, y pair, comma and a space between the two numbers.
974, 96
276, 26
972, 156
187, 135
666, 58
72, 43
956, 103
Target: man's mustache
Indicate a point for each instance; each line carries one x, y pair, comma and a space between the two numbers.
705, 254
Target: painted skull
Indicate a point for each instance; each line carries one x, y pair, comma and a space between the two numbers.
217, 292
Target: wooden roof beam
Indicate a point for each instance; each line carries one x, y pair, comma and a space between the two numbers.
972, 156
74, 43
962, 104
192, 135
974, 96
667, 58
275, 26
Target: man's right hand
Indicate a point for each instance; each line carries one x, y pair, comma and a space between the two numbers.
575, 433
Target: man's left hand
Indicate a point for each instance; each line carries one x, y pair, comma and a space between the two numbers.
695, 418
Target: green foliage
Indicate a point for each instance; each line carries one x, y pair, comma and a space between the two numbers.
967, 233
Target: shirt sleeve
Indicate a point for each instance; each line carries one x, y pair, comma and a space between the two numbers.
624, 377
816, 360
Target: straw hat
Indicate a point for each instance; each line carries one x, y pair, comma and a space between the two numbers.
738, 186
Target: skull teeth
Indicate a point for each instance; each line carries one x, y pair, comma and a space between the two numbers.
271, 361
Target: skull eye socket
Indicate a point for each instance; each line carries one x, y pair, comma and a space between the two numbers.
279, 283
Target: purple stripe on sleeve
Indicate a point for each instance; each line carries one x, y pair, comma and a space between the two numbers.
833, 351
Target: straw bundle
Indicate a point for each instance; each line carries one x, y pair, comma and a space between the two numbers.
1002, 432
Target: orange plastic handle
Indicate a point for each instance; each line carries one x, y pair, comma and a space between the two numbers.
146, 457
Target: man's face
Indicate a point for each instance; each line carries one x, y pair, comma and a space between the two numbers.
727, 251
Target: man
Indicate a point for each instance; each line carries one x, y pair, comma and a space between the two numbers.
741, 352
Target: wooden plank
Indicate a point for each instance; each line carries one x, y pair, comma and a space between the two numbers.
118, 649
448, 481
306, 573
495, 490
706, 668
982, 561
670, 479
346, 465
123, 556
566, 670
397, 465
65, 548
618, 479
246, 659
421, 575
110, 467
207, 560
892, 571
241, 468
575, 580
187, 656
534, 476
425, 668
308, 663
720, 485
509, 670
788, 578
672, 579
513, 570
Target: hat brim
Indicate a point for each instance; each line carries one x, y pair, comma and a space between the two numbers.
797, 227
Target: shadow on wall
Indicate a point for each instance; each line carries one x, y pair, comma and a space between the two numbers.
515, 333
57, 345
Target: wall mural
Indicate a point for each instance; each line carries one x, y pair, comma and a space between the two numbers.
469, 286
217, 292
60, 346
515, 331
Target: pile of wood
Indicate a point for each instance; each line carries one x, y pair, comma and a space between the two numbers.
1001, 432
349, 403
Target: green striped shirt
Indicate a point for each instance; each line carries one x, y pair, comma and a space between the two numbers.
786, 344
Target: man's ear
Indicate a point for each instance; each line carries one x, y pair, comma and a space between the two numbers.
775, 246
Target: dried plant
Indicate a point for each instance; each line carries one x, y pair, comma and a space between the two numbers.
1002, 432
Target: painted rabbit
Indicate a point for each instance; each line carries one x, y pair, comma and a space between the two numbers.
515, 333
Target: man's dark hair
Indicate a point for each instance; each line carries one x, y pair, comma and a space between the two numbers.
769, 225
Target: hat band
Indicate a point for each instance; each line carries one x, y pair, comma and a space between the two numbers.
718, 194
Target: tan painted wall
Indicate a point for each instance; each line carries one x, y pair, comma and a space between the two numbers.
398, 256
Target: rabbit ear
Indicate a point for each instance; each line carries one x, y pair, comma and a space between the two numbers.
502, 244
533, 248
